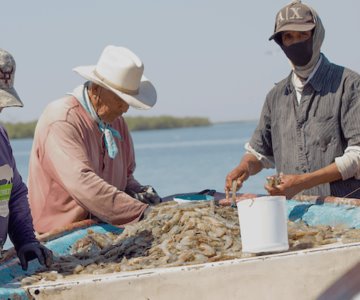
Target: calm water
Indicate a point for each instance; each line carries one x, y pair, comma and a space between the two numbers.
181, 160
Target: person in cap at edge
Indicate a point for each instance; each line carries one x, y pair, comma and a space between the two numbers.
15, 217
82, 160
309, 128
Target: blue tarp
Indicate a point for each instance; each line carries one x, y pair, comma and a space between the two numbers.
327, 213
11, 271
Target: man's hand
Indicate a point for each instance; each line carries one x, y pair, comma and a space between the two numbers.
248, 166
288, 185
239, 174
32, 251
147, 195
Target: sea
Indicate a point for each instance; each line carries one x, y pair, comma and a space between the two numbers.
181, 160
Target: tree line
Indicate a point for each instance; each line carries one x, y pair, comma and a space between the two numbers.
22, 130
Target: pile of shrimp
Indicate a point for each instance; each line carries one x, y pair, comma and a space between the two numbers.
177, 235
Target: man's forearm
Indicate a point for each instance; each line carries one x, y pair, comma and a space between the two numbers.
253, 165
327, 174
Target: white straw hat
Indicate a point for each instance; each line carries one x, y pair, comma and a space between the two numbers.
121, 71
8, 95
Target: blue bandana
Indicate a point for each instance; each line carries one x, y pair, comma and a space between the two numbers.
108, 132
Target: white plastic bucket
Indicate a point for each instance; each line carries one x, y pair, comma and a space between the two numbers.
263, 224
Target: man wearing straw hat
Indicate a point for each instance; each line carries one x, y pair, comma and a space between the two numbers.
15, 217
82, 161
309, 127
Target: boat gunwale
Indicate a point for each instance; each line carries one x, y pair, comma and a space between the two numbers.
327, 199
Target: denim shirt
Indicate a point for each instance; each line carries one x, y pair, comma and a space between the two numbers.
308, 136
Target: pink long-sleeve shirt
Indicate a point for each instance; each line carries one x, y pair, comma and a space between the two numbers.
71, 176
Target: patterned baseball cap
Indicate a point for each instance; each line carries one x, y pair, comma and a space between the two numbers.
8, 95
295, 16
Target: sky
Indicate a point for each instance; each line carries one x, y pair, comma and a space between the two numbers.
206, 58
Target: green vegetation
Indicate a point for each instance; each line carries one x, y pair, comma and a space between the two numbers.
26, 130
164, 122
20, 130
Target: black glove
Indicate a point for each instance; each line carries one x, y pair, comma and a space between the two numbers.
34, 250
147, 195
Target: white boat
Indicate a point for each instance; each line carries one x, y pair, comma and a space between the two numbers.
303, 274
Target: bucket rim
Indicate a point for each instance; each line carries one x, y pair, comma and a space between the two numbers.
263, 198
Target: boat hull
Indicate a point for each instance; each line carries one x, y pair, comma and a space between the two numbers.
295, 275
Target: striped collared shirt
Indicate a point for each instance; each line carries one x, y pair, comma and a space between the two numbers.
305, 137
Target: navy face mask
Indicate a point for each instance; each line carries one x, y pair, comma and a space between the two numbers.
300, 53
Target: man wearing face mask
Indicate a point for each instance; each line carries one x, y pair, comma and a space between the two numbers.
309, 128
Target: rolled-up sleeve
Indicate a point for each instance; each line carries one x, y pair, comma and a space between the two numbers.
349, 163
266, 161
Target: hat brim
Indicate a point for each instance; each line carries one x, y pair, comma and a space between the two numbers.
294, 27
9, 98
145, 99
